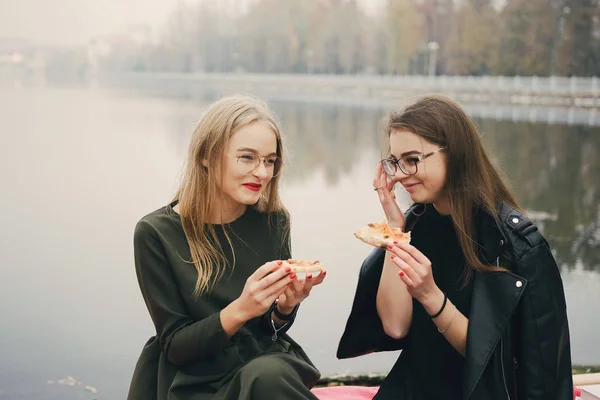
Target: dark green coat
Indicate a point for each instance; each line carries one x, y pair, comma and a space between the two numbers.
191, 356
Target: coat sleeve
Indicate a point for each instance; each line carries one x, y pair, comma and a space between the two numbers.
364, 332
182, 339
543, 353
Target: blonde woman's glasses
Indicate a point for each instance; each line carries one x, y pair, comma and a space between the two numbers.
250, 162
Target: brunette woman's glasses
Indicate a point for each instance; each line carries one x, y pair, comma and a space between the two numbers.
407, 164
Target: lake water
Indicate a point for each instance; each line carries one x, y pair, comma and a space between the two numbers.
79, 167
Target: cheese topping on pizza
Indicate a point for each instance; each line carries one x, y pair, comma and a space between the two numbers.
379, 234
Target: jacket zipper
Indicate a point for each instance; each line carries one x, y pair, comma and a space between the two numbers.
502, 365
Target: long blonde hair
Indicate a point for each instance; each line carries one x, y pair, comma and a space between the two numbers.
199, 187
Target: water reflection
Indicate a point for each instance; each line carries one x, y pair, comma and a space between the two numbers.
555, 170
326, 137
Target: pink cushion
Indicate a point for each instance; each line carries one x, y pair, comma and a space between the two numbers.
345, 392
367, 393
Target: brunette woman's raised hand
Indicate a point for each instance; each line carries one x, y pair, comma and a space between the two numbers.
385, 190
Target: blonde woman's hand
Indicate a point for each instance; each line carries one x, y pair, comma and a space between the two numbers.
297, 291
385, 191
265, 285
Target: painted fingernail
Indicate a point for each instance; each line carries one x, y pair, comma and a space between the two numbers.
324, 273
401, 273
309, 276
395, 242
292, 276
279, 262
390, 246
393, 257
288, 269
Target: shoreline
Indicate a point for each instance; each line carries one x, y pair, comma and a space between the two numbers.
386, 90
375, 379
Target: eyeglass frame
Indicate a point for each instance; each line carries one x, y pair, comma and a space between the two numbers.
397, 162
261, 160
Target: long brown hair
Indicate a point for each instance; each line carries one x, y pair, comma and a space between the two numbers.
472, 181
199, 187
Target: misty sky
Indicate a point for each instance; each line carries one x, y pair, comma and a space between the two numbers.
74, 21
68, 22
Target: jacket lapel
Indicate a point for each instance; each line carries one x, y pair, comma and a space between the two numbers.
495, 298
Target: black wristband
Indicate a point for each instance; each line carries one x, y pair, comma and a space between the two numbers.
285, 317
441, 309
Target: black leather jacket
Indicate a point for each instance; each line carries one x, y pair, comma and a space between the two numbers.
518, 338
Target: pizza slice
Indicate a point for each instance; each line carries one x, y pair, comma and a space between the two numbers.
305, 266
379, 234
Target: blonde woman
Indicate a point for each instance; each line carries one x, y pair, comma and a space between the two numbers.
212, 269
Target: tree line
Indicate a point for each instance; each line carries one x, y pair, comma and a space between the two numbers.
462, 37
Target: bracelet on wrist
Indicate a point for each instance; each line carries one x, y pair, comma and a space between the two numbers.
442, 331
437, 314
276, 330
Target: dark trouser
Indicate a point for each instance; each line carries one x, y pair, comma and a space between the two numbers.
271, 376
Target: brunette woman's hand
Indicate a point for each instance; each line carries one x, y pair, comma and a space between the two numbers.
297, 291
385, 190
415, 272
265, 285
